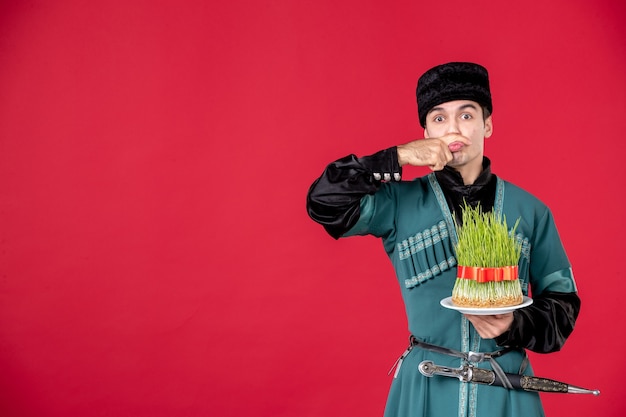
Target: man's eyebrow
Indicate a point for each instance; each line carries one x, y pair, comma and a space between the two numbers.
435, 109
465, 106
462, 107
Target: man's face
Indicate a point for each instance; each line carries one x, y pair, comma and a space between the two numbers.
463, 117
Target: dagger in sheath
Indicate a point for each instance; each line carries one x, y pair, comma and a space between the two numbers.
470, 373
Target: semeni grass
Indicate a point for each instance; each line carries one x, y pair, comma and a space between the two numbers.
486, 248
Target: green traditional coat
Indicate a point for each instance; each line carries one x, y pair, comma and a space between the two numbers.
417, 230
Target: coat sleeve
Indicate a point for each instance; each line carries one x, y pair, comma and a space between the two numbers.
334, 198
544, 326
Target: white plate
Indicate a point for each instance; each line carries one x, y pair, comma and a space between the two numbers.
447, 303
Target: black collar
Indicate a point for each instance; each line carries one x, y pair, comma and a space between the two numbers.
482, 191
451, 179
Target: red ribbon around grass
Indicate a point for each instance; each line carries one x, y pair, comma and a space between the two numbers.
478, 274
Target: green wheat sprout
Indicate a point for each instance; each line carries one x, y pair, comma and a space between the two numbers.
484, 240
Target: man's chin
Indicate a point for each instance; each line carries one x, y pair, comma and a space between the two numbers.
458, 159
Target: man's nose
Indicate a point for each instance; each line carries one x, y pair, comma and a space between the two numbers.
453, 126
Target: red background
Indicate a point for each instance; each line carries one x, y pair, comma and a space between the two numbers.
155, 254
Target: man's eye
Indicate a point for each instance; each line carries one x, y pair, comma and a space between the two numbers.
438, 119
466, 116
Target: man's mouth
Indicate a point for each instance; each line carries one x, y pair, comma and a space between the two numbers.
455, 146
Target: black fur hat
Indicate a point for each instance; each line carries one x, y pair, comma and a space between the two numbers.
452, 81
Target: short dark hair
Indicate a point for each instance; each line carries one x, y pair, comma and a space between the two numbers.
486, 112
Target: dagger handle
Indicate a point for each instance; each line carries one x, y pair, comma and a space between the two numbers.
484, 376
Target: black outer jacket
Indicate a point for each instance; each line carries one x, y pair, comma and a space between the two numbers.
334, 201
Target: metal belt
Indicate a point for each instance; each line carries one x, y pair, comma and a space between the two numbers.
466, 356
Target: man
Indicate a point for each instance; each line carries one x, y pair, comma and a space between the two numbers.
416, 222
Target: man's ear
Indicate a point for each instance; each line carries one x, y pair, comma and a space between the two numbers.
426, 135
488, 126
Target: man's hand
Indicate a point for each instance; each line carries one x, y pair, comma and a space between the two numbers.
489, 327
433, 152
